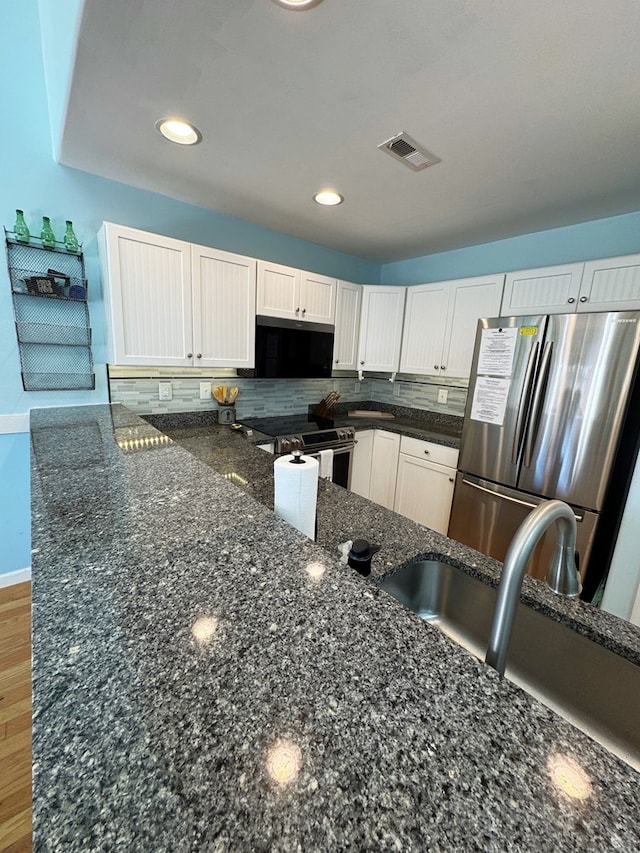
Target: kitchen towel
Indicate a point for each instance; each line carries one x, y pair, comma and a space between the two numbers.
296, 492
325, 460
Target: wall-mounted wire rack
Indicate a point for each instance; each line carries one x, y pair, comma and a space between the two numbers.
49, 293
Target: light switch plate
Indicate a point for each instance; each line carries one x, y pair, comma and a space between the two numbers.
205, 390
443, 395
164, 391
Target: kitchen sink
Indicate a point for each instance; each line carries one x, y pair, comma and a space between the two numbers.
593, 688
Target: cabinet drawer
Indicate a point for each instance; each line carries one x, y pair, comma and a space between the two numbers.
428, 450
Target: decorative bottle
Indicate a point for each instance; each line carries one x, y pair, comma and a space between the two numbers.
20, 228
46, 235
70, 239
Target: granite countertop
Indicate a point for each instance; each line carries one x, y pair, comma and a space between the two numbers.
206, 678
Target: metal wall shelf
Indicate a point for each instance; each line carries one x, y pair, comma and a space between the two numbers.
49, 292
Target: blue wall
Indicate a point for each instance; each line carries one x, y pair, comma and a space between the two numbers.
604, 238
15, 538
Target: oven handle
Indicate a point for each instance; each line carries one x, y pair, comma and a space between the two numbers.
344, 448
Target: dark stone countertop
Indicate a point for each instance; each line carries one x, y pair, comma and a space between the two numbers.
183, 639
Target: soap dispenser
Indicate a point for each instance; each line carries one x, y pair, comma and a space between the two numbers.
360, 555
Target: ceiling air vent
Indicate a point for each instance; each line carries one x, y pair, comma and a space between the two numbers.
404, 148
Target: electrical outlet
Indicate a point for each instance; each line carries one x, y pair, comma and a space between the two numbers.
164, 391
443, 394
205, 390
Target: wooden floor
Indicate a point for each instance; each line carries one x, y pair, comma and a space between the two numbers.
15, 718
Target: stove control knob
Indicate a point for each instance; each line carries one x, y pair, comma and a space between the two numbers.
296, 443
285, 445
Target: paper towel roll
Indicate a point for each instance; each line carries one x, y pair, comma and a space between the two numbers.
296, 492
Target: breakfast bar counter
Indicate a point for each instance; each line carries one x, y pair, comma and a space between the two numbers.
207, 678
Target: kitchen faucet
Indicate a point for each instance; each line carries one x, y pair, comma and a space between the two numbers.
562, 575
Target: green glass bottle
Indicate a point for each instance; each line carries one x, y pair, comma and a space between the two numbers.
70, 239
46, 235
20, 228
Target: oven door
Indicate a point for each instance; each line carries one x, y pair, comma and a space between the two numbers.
342, 460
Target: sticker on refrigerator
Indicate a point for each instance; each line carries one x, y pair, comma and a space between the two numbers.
489, 402
497, 349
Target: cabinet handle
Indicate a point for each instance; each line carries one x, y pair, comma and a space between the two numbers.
304, 311
362, 362
583, 299
451, 479
297, 310
571, 300
337, 361
435, 367
426, 452
443, 367
199, 355
189, 355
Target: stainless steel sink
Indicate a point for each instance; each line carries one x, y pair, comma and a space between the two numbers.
596, 690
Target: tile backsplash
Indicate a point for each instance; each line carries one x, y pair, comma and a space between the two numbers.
268, 397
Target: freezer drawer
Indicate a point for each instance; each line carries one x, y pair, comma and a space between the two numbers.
485, 517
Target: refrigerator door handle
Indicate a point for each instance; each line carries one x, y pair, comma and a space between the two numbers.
508, 498
537, 402
524, 399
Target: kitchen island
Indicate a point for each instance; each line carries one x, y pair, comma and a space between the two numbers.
206, 678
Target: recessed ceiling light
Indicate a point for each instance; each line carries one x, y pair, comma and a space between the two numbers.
176, 130
297, 4
328, 197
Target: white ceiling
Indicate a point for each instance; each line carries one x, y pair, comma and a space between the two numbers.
533, 108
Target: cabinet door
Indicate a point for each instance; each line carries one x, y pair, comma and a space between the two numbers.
384, 467
345, 349
552, 290
361, 463
147, 283
424, 328
381, 328
278, 291
224, 314
317, 298
612, 284
424, 492
469, 300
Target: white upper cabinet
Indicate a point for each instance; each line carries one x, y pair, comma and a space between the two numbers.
294, 295
612, 284
440, 324
345, 348
381, 328
318, 298
148, 300
548, 290
224, 298
171, 303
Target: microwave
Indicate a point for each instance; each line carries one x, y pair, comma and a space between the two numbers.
292, 349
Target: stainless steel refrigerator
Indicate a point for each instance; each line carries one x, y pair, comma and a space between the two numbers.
549, 415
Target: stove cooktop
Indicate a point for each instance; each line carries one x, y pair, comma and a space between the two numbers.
287, 425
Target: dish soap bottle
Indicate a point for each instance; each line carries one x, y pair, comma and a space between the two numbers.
20, 228
46, 235
70, 239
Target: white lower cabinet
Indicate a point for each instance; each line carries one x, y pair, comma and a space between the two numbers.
413, 477
384, 467
374, 466
424, 487
361, 463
